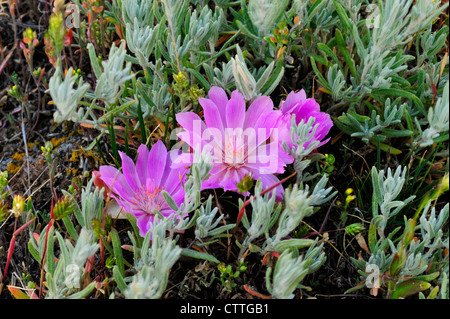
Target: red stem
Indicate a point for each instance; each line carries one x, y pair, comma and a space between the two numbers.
12, 245
50, 225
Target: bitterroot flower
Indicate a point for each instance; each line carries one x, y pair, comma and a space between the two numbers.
242, 141
138, 190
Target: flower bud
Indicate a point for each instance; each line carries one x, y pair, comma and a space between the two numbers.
18, 205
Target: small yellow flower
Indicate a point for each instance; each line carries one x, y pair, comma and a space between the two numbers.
350, 198
18, 205
349, 191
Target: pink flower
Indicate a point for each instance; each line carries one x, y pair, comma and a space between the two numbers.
138, 190
303, 108
242, 141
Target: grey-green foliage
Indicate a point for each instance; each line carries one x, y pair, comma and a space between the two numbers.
301, 134
299, 204
141, 40
265, 14
204, 28
206, 222
153, 95
290, 269
399, 20
386, 189
65, 97
262, 213
199, 171
222, 75
377, 127
425, 252
369, 60
438, 120
91, 205
64, 277
157, 259
430, 43
251, 85
114, 75
141, 11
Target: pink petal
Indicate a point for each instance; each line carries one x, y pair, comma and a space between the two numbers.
211, 114
156, 163
116, 182
142, 163
260, 106
235, 112
292, 101
144, 224
129, 172
220, 98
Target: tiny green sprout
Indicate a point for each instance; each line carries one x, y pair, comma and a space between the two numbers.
47, 151
99, 229
37, 72
354, 229
328, 163
227, 276
15, 92
245, 184
63, 207
4, 212
3, 183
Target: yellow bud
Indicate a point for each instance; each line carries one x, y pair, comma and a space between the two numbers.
444, 184
348, 191
18, 205
349, 198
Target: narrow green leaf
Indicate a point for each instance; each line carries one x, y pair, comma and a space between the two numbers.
118, 278
117, 251
199, 255
200, 78
327, 51
295, 243
70, 227
372, 237
33, 251
141, 123
50, 254
83, 293
322, 81
170, 201
348, 59
409, 288
94, 61
342, 15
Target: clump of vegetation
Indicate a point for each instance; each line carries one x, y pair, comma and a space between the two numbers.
224, 149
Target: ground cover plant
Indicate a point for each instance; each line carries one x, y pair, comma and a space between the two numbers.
222, 149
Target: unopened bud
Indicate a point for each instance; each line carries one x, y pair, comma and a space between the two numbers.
18, 205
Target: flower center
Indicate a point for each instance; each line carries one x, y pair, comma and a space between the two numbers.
235, 151
149, 199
